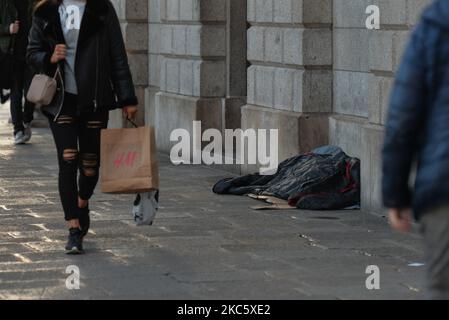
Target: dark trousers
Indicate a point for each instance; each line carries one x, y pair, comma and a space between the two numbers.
77, 139
435, 228
21, 113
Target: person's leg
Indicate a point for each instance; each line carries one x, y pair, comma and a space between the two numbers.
65, 133
90, 128
435, 228
16, 98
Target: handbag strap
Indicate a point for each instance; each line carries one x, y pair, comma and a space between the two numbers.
11, 45
58, 71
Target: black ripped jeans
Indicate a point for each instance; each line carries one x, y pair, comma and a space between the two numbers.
77, 139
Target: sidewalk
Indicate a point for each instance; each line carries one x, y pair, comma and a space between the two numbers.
202, 246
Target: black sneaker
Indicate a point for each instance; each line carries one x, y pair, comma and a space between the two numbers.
74, 244
84, 219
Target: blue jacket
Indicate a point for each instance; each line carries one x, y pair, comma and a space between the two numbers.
417, 128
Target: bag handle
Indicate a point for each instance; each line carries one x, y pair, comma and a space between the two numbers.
132, 122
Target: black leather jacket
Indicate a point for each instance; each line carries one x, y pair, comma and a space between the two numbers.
102, 72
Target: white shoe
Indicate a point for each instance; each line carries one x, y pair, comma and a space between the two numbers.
19, 138
27, 132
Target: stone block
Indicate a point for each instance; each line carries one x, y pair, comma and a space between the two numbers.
273, 44
282, 11
350, 13
141, 114
386, 49
351, 92
379, 98
351, 49
136, 36
264, 11
212, 10
150, 105
154, 69
154, 13
312, 11
414, 10
193, 40
256, 43
200, 78
236, 49
296, 46
154, 34
251, 10
290, 89
178, 112
371, 165
232, 112
213, 41
346, 132
194, 10
213, 79
290, 11
138, 63
136, 10
298, 132
392, 12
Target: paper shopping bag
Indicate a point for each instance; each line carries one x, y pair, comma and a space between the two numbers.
128, 160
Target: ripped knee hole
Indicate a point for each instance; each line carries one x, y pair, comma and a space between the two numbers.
95, 124
89, 163
70, 155
64, 120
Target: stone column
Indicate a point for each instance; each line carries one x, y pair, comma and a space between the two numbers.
154, 60
202, 66
290, 77
236, 63
133, 15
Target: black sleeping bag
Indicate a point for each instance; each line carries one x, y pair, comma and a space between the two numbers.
313, 181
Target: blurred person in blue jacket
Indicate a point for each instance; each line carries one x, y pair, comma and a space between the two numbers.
417, 132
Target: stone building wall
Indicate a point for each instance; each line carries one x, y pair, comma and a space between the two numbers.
133, 15
290, 74
309, 68
198, 56
364, 65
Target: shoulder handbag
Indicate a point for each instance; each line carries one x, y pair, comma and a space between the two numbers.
6, 66
43, 89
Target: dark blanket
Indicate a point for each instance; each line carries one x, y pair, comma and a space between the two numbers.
326, 179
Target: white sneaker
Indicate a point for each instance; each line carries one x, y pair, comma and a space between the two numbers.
19, 138
27, 132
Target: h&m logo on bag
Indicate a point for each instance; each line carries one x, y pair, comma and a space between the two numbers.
126, 159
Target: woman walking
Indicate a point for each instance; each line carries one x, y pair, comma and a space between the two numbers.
80, 42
